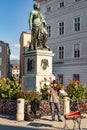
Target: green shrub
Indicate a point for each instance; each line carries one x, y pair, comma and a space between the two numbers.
28, 95
76, 90
9, 88
43, 91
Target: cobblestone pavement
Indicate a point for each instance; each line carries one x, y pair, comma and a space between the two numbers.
44, 123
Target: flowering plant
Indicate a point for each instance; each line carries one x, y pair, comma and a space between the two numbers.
76, 90
47, 83
43, 91
44, 88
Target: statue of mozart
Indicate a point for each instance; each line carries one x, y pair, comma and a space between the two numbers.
38, 27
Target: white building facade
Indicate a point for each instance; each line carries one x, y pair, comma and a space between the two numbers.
15, 70
67, 28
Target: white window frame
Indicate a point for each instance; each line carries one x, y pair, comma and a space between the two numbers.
61, 78
0, 61
77, 24
62, 4
61, 28
61, 52
0, 49
49, 9
77, 50
76, 77
0, 73
77, 0
49, 30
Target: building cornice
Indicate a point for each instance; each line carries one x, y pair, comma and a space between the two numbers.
71, 61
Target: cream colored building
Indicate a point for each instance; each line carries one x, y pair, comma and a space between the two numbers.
15, 70
25, 40
67, 28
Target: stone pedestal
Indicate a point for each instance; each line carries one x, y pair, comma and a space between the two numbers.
38, 66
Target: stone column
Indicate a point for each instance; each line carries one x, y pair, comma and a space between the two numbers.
66, 105
20, 109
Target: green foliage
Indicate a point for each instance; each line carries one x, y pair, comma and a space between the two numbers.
29, 95
76, 90
44, 94
9, 88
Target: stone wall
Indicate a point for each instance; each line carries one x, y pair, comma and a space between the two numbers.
45, 107
9, 107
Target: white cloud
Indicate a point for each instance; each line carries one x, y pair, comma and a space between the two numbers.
14, 57
16, 45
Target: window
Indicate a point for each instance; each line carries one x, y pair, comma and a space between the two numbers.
48, 9
7, 50
0, 73
49, 31
17, 75
76, 50
61, 52
77, 0
30, 64
76, 77
0, 61
0, 48
77, 24
60, 77
61, 28
15, 67
61, 4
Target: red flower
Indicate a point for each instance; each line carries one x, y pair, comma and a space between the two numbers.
45, 78
68, 87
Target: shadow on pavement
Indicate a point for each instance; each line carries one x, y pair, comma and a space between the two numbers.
10, 117
46, 119
39, 124
7, 127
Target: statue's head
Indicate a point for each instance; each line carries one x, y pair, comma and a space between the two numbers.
36, 6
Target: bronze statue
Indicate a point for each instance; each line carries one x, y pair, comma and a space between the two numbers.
38, 28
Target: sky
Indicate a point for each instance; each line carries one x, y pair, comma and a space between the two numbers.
14, 17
